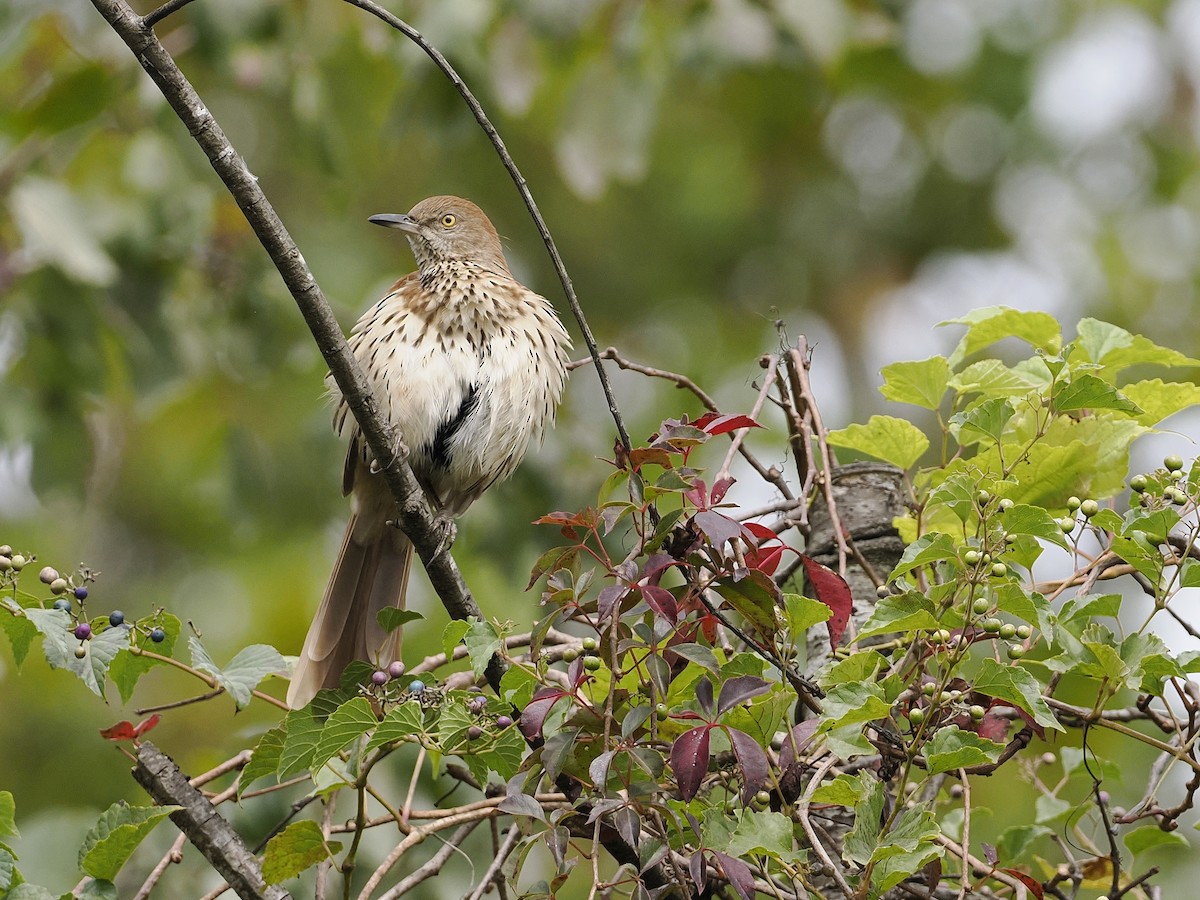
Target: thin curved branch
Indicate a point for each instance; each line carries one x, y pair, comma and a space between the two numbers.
522, 188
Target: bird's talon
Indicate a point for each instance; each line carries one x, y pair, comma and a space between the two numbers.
447, 533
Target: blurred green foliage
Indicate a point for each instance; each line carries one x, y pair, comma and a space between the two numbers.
859, 170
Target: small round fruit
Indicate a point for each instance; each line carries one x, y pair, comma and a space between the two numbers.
477, 705
1066, 524
474, 733
1073, 503
1174, 462
1006, 503
1089, 508
1178, 475
48, 575
956, 791
62, 603
929, 689
1137, 483
1008, 631
1024, 631
18, 562
59, 586
1048, 759
972, 557
762, 798
992, 625
590, 644
80, 593
1010, 538
395, 668
570, 655
955, 696
81, 651
883, 592
916, 715
944, 698
592, 663
977, 712
5, 564
379, 678
980, 606
5, 550
116, 618
999, 570
1178, 497
83, 631
416, 686
983, 497
1015, 651
503, 721
158, 635
661, 712
943, 636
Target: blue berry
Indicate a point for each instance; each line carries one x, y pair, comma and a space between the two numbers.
63, 603
80, 593
416, 686
158, 635
83, 631
379, 678
115, 618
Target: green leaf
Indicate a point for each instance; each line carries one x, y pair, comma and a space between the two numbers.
1086, 391
895, 868
754, 596
897, 441
844, 790
853, 703
392, 617
921, 383
1015, 842
60, 644
1018, 687
992, 378
33, 892
127, 668
952, 748
8, 815
482, 642
21, 633
864, 836
1142, 839
769, 832
804, 612
1034, 520
517, 685
96, 889
112, 840
925, 550
452, 634
986, 421
302, 733
991, 324
956, 493
1116, 349
1160, 400
348, 722
244, 671
505, 755
1048, 807
910, 611
265, 758
403, 720
8, 870
294, 849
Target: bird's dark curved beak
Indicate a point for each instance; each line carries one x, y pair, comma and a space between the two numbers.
392, 220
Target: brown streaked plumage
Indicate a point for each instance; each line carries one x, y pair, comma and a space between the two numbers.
469, 366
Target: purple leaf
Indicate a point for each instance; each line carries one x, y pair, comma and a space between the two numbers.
704, 696
629, 825
598, 770
533, 716
721, 488
662, 602
795, 743
608, 597
831, 589
698, 870
752, 760
519, 804
990, 854
718, 527
738, 690
689, 760
736, 873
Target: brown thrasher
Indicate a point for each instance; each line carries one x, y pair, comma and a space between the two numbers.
469, 366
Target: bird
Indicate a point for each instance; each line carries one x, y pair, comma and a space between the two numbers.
469, 367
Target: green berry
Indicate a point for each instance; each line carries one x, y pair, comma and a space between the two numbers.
971, 557
1089, 508
1008, 631
1173, 463
5, 563
944, 698
18, 562
590, 644
977, 712
1067, 524
1137, 483
592, 663
883, 592
661, 712
1178, 497
983, 497
992, 625
980, 606
1006, 503
1024, 631
1010, 538
1015, 651
59, 586
916, 715
1073, 503
5, 550
929, 689
999, 570
570, 655
762, 798
955, 696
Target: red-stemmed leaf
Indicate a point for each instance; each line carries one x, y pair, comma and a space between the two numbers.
736, 873
533, 716
698, 869
609, 596
1035, 886
752, 760
704, 696
715, 424
831, 589
689, 760
146, 725
738, 690
661, 601
718, 527
796, 741
721, 488
765, 561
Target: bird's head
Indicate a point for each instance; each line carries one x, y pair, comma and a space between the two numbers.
447, 228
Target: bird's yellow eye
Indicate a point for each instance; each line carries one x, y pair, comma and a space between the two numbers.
448, 220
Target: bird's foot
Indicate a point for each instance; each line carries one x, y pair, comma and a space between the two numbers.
447, 532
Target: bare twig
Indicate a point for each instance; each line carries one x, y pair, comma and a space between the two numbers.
434, 864
493, 871
174, 855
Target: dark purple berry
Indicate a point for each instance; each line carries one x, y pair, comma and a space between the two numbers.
379, 678
474, 733
477, 704
503, 721
158, 635
395, 669
115, 618
63, 603
80, 593
83, 631
416, 686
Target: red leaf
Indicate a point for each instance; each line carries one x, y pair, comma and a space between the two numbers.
720, 489
736, 873
832, 590
533, 716
661, 601
766, 561
739, 689
1035, 886
993, 727
752, 760
689, 760
122, 731
146, 725
722, 424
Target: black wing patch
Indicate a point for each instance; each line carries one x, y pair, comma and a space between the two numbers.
439, 451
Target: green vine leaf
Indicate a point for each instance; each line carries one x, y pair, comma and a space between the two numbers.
114, 837
295, 849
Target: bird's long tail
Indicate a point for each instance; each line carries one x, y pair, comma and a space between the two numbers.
371, 573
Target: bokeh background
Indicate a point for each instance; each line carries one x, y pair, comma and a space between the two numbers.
860, 171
